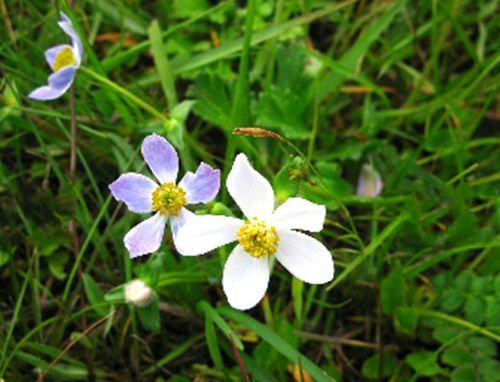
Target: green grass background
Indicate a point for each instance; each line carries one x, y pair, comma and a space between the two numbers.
409, 86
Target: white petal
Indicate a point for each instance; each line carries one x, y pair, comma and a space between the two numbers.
250, 190
145, 237
201, 234
305, 257
298, 213
245, 279
179, 221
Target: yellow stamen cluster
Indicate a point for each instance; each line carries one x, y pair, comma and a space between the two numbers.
257, 238
168, 199
65, 57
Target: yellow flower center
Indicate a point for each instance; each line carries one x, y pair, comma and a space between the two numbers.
65, 57
168, 199
257, 238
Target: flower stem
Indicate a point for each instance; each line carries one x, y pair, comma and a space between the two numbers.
125, 93
460, 322
72, 155
241, 365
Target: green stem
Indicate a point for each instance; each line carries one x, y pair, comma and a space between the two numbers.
125, 93
460, 322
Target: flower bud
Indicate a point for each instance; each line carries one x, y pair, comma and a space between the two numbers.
369, 184
138, 293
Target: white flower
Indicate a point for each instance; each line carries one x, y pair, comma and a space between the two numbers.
138, 293
369, 184
266, 232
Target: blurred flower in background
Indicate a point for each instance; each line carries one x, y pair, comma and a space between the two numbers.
64, 60
369, 184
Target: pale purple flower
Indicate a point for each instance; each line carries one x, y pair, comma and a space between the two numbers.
167, 199
64, 60
370, 183
266, 232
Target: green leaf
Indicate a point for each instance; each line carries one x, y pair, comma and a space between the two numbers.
286, 105
220, 322
392, 291
231, 47
213, 343
483, 347
423, 362
351, 58
481, 285
490, 370
116, 295
452, 300
493, 311
370, 368
464, 281
496, 285
475, 309
123, 16
446, 334
57, 265
94, 294
382, 237
297, 290
463, 374
162, 64
240, 110
457, 355
283, 184
212, 101
276, 342
155, 267
150, 315
406, 319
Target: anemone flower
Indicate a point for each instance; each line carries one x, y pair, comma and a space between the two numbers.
370, 183
166, 199
266, 233
64, 60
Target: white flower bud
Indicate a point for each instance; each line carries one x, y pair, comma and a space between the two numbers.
138, 293
369, 184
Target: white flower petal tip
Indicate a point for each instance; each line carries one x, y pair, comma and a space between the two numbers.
370, 183
137, 293
298, 213
305, 257
250, 190
145, 237
202, 234
245, 279
135, 190
161, 158
64, 17
202, 186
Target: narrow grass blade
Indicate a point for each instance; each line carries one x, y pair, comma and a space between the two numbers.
277, 343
